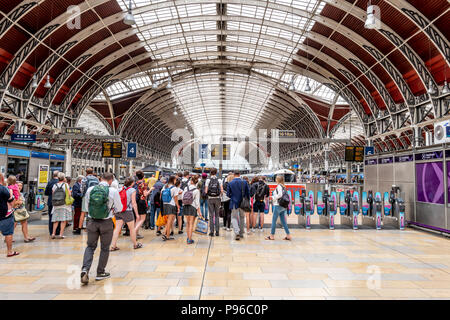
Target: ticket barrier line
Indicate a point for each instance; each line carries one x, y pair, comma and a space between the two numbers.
326, 209
371, 210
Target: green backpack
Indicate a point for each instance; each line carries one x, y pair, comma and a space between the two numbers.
98, 202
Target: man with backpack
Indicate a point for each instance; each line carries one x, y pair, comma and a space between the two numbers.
203, 196
155, 202
261, 193
214, 190
89, 181
102, 202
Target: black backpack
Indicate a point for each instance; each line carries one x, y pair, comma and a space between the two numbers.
260, 192
214, 187
285, 199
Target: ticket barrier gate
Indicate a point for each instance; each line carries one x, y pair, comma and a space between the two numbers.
306, 210
327, 217
350, 210
394, 209
371, 210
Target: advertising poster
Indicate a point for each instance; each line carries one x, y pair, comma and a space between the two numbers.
430, 182
43, 176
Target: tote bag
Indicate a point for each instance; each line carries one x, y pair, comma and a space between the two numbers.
201, 227
69, 199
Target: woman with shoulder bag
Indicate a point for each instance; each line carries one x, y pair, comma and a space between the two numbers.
191, 210
21, 215
278, 210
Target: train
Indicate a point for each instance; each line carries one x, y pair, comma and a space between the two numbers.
158, 171
289, 179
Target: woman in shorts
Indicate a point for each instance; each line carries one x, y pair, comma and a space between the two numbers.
192, 210
171, 208
24, 223
126, 216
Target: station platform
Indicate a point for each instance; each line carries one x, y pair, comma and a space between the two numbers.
317, 264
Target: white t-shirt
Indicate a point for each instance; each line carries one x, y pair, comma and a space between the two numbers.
173, 192
59, 184
277, 194
209, 180
195, 193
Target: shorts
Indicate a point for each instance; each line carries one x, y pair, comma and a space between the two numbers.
142, 207
7, 226
126, 216
169, 209
259, 206
189, 211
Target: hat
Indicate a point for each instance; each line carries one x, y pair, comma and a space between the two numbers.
204, 175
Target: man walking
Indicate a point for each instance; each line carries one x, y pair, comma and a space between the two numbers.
214, 190
237, 189
49, 193
102, 202
77, 195
89, 181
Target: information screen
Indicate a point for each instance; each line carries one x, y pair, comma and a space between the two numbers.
359, 154
112, 149
349, 153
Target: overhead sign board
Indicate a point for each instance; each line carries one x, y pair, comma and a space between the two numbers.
112, 149
23, 137
203, 153
369, 151
74, 130
354, 154
226, 152
131, 150
286, 133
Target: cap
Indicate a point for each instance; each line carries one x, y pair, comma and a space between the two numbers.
204, 175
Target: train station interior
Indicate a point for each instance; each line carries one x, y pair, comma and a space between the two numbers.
327, 122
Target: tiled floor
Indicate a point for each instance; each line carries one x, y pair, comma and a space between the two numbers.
317, 264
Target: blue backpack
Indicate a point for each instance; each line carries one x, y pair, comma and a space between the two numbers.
166, 195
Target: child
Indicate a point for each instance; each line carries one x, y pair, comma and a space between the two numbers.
12, 185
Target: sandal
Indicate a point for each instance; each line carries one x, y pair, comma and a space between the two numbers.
286, 238
61, 237
53, 237
15, 253
164, 237
269, 238
138, 246
114, 249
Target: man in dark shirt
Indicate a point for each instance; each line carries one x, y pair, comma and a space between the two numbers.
6, 216
49, 192
77, 195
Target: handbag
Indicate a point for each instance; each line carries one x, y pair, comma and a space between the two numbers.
69, 199
245, 202
21, 213
161, 221
221, 212
201, 227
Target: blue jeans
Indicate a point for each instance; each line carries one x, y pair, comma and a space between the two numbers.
204, 208
154, 213
281, 212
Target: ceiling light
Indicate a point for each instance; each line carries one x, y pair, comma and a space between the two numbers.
175, 113
129, 18
445, 89
48, 85
34, 84
308, 87
431, 88
169, 83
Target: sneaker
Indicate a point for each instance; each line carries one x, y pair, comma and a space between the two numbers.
84, 277
152, 228
217, 234
102, 276
180, 232
238, 237
139, 236
171, 233
76, 231
158, 233
224, 228
190, 241
211, 234
228, 229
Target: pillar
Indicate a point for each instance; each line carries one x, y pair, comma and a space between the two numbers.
349, 172
68, 162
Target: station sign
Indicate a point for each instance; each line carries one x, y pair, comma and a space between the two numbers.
111, 149
226, 152
406, 158
15, 137
74, 130
131, 150
354, 154
429, 155
203, 152
286, 133
202, 164
215, 151
371, 162
369, 151
385, 160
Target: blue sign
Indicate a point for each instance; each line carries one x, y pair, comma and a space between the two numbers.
2, 150
132, 150
202, 164
203, 151
447, 131
23, 137
57, 157
40, 155
368, 151
18, 153
295, 166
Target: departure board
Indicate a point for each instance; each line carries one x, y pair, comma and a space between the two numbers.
112, 149
359, 154
225, 152
354, 154
349, 153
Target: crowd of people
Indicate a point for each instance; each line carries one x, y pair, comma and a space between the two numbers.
169, 204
